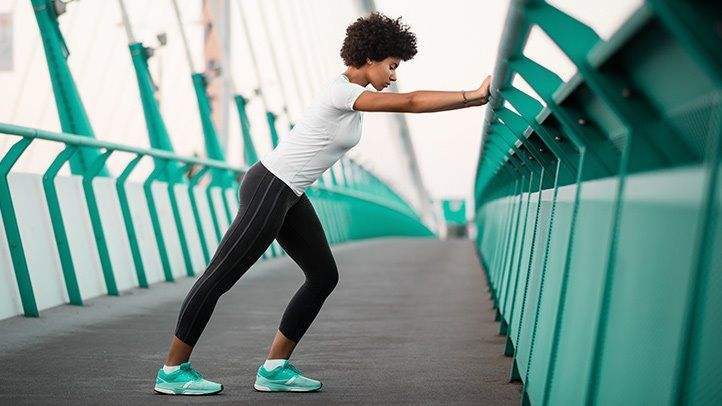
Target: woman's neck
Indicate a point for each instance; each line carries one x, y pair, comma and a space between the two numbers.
357, 76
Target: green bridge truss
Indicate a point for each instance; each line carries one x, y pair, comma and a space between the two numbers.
598, 207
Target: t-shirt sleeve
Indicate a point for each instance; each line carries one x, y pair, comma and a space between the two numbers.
344, 95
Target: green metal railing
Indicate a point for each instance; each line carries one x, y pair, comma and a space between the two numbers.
598, 204
344, 210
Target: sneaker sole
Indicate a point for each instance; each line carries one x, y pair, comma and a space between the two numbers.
263, 388
189, 392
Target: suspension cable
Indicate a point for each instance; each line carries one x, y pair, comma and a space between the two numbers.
313, 80
274, 60
294, 71
126, 22
184, 38
254, 60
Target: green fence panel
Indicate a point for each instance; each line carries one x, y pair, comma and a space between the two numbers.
597, 211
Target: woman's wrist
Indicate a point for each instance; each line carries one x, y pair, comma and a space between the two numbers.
472, 98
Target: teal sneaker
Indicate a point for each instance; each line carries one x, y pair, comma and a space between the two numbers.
185, 381
284, 378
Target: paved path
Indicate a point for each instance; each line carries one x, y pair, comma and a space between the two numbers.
410, 322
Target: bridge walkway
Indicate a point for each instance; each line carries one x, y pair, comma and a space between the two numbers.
409, 322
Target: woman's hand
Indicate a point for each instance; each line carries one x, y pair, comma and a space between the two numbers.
480, 96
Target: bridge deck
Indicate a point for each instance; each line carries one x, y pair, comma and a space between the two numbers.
409, 322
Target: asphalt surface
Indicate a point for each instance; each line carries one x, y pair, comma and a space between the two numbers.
410, 322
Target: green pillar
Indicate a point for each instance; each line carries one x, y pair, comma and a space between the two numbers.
271, 118
73, 118
157, 131
249, 151
210, 137
219, 177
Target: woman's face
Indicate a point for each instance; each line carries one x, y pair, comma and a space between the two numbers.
382, 73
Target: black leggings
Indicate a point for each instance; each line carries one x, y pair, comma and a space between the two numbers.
268, 209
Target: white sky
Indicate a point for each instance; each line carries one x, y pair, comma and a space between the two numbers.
458, 40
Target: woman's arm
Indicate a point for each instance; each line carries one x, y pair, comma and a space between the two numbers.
423, 101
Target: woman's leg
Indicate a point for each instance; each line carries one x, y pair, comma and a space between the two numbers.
302, 237
264, 202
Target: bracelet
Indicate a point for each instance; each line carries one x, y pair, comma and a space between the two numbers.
463, 94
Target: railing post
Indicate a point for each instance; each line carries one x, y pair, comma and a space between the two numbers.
128, 220
212, 210
227, 183
12, 232
155, 221
195, 178
172, 178
510, 349
56, 220
95, 168
545, 262
532, 249
508, 265
502, 268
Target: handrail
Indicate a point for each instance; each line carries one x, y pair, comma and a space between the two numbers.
80, 141
92, 142
512, 41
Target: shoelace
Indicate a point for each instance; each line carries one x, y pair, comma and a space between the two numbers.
293, 368
195, 374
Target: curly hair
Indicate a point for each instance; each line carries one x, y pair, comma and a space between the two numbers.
376, 38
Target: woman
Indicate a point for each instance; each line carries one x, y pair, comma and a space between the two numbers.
273, 204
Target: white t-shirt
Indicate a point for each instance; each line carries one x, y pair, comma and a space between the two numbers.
329, 127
